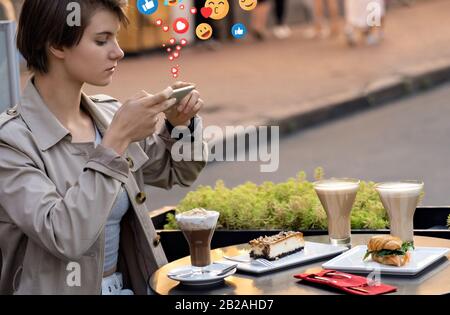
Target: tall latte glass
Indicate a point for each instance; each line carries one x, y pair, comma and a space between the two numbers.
198, 227
400, 200
337, 196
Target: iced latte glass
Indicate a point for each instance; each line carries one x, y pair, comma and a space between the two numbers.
198, 227
337, 196
400, 200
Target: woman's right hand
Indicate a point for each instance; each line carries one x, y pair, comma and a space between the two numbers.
136, 119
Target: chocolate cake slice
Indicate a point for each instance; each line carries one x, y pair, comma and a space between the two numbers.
277, 246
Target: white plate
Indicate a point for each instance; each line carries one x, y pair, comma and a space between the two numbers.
179, 274
312, 251
352, 261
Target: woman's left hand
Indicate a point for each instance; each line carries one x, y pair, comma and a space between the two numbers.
189, 106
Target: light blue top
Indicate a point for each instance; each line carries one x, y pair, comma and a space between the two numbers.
112, 228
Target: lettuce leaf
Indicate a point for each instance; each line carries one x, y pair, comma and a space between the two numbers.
406, 246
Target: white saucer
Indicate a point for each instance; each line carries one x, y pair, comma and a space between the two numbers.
181, 274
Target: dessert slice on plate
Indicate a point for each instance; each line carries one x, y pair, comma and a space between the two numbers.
277, 246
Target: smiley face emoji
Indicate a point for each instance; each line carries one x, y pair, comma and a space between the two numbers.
204, 31
248, 5
219, 8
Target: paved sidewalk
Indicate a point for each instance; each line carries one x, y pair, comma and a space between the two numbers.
283, 81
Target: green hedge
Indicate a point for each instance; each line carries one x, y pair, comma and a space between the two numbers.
290, 205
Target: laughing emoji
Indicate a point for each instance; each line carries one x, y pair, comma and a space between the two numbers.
248, 5
219, 8
204, 31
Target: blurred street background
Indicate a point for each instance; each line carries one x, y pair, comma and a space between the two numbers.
262, 80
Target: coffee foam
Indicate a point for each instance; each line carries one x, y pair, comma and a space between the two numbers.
399, 188
197, 219
336, 186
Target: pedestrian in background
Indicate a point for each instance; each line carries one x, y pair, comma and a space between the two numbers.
365, 21
323, 28
281, 29
259, 20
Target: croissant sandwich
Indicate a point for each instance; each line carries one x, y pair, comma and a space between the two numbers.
389, 250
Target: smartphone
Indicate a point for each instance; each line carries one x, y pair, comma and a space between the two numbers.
180, 93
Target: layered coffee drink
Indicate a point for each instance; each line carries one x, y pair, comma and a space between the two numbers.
198, 227
400, 200
337, 197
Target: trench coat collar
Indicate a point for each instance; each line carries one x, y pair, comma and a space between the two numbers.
43, 123
46, 128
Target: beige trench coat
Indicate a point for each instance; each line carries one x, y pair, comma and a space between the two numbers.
56, 196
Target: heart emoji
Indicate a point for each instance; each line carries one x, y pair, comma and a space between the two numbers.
180, 25
175, 55
206, 12
172, 41
165, 28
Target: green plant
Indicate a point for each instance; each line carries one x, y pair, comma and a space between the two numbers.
290, 205
448, 221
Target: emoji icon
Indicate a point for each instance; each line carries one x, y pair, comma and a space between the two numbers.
248, 5
172, 3
204, 31
238, 30
206, 12
147, 7
219, 8
180, 25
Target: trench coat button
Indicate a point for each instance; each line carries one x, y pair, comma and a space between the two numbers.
156, 240
130, 162
141, 198
11, 112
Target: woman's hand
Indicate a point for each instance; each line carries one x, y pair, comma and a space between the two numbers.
136, 119
189, 106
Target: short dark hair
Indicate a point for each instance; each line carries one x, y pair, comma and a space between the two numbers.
43, 23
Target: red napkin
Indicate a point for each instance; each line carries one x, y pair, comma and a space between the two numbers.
347, 282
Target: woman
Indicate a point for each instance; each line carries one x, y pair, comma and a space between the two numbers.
73, 218
320, 28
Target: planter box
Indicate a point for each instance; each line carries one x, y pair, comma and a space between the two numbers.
428, 221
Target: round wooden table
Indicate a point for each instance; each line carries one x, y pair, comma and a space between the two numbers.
435, 280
